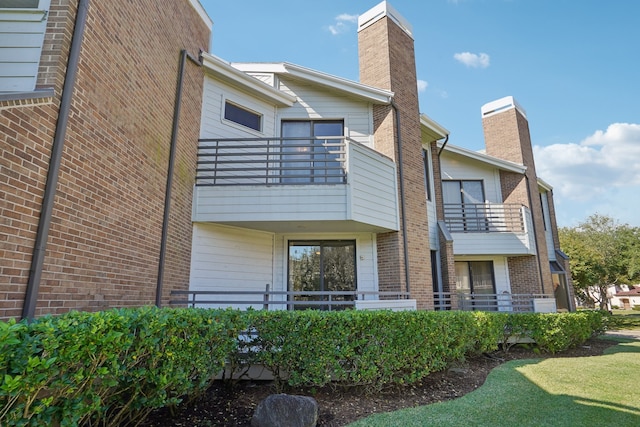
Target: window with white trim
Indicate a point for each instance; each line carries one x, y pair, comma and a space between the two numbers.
242, 116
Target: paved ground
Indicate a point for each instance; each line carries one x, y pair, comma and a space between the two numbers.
626, 333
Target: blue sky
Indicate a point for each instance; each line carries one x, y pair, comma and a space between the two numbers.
572, 65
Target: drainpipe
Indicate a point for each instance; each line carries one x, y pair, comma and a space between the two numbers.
402, 202
535, 233
42, 235
172, 155
446, 139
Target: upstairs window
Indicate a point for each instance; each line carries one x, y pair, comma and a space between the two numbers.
242, 116
22, 27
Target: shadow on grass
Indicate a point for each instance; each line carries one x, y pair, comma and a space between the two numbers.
540, 392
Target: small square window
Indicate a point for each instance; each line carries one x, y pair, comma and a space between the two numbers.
242, 116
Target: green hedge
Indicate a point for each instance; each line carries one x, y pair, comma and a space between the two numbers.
379, 348
113, 367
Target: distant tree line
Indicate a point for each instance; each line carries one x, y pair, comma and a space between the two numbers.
602, 253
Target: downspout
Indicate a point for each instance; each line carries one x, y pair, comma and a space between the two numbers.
172, 156
42, 235
402, 202
535, 233
446, 139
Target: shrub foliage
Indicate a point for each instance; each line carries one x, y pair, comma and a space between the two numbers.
112, 368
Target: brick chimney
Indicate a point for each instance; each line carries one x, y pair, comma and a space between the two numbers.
387, 60
506, 135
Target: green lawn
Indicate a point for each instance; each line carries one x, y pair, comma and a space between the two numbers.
588, 391
626, 319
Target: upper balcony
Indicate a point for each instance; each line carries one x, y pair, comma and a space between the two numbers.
490, 229
303, 185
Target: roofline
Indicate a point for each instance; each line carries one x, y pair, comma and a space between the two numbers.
369, 93
434, 126
203, 13
544, 184
485, 158
224, 70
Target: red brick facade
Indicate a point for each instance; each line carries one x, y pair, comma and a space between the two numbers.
507, 137
104, 239
387, 60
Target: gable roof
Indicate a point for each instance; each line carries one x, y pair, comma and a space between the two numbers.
484, 158
224, 71
355, 89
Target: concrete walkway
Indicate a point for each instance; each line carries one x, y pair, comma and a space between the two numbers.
625, 333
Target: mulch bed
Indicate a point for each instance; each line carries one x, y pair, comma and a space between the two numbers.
223, 406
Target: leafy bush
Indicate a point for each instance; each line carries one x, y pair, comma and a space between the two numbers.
110, 367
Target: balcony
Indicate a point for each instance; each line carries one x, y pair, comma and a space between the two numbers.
295, 185
490, 229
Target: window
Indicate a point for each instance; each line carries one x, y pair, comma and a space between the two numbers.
464, 207
316, 159
475, 282
322, 266
242, 116
427, 173
23, 23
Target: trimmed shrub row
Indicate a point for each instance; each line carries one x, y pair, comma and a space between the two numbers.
113, 367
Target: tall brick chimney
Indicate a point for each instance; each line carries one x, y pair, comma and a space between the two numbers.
387, 60
506, 135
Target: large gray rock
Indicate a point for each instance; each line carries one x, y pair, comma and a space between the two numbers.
283, 410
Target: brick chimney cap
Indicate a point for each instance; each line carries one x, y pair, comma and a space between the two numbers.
500, 105
378, 12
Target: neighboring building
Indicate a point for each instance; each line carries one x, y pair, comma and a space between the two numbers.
84, 160
623, 297
310, 182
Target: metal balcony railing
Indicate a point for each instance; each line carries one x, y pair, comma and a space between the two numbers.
519, 303
484, 218
272, 161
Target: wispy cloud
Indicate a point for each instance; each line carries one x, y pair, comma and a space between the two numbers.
473, 60
422, 85
342, 23
599, 174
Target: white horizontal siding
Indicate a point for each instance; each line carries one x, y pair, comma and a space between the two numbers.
213, 125
21, 38
278, 203
491, 244
226, 258
373, 190
322, 103
460, 168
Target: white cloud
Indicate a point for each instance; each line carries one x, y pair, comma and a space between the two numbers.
342, 22
422, 85
473, 60
599, 174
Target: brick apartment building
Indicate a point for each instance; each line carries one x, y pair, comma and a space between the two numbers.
87, 115
103, 205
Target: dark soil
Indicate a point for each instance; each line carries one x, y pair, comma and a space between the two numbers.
223, 406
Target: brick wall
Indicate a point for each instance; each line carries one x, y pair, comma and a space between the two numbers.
507, 137
104, 238
387, 60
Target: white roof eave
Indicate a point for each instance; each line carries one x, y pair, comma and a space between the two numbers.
358, 90
485, 158
225, 71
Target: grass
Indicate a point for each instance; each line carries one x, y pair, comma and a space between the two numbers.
589, 391
626, 319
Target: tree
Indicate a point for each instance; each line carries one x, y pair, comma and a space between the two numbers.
602, 252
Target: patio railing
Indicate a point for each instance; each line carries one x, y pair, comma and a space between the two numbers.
339, 300
484, 217
272, 161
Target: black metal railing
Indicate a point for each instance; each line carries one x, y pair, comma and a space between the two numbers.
484, 217
272, 161
292, 300
487, 302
